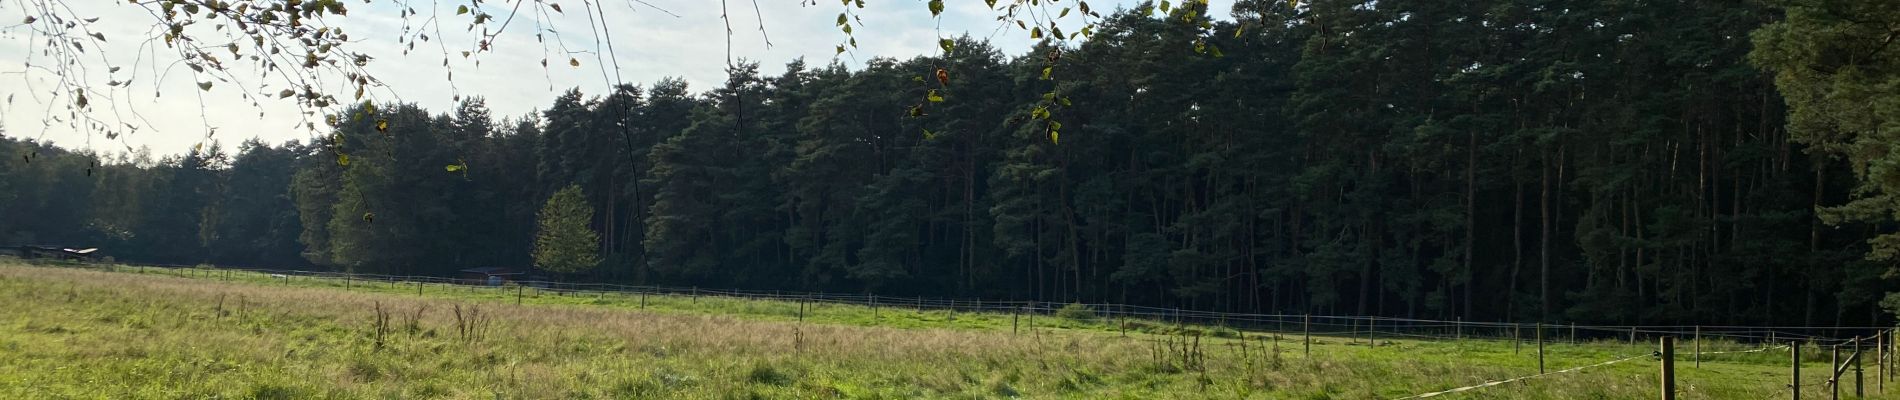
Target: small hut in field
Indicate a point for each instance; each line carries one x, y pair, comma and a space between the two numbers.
489, 276
86, 254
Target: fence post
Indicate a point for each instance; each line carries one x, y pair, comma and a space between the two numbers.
1668, 368
1880, 361
1540, 347
1306, 334
1834, 376
418, 288
1573, 333
1015, 320
517, 295
346, 282
695, 295
1858, 393
1372, 332
1632, 335
875, 318
1517, 340
1698, 346
643, 299
1796, 363
1032, 320
1458, 328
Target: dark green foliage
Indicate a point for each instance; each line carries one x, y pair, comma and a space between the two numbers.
1487, 160
562, 241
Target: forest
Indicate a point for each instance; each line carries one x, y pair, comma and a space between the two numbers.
1595, 162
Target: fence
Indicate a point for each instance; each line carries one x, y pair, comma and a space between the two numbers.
1371, 328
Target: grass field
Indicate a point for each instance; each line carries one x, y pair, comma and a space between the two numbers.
93, 333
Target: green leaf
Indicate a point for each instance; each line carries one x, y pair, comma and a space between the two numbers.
1065, 13
464, 9
946, 44
934, 97
1165, 6
842, 20
936, 7
343, 159
1046, 71
204, 85
840, 49
453, 168
928, 135
1035, 33
556, 7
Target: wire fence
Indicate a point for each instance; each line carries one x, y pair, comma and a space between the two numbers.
1371, 327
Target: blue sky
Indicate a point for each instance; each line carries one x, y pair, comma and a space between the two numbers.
687, 40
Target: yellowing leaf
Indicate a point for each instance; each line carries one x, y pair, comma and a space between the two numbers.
934, 97
464, 10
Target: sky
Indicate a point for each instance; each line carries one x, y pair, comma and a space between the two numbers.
652, 39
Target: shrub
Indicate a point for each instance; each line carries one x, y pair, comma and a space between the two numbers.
1076, 312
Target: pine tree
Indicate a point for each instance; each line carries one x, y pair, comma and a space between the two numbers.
564, 243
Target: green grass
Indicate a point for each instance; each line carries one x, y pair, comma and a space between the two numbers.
91, 333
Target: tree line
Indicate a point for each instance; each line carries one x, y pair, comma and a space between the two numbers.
1490, 160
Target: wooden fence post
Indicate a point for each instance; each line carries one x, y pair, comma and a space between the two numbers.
1796, 365
1858, 393
1668, 368
1573, 333
1306, 334
643, 299
1015, 320
1833, 378
1540, 347
1458, 328
1698, 346
1632, 335
518, 294
1517, 339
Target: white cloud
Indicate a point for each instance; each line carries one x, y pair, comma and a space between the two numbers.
649, 44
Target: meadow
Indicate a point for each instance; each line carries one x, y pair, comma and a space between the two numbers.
119, 332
